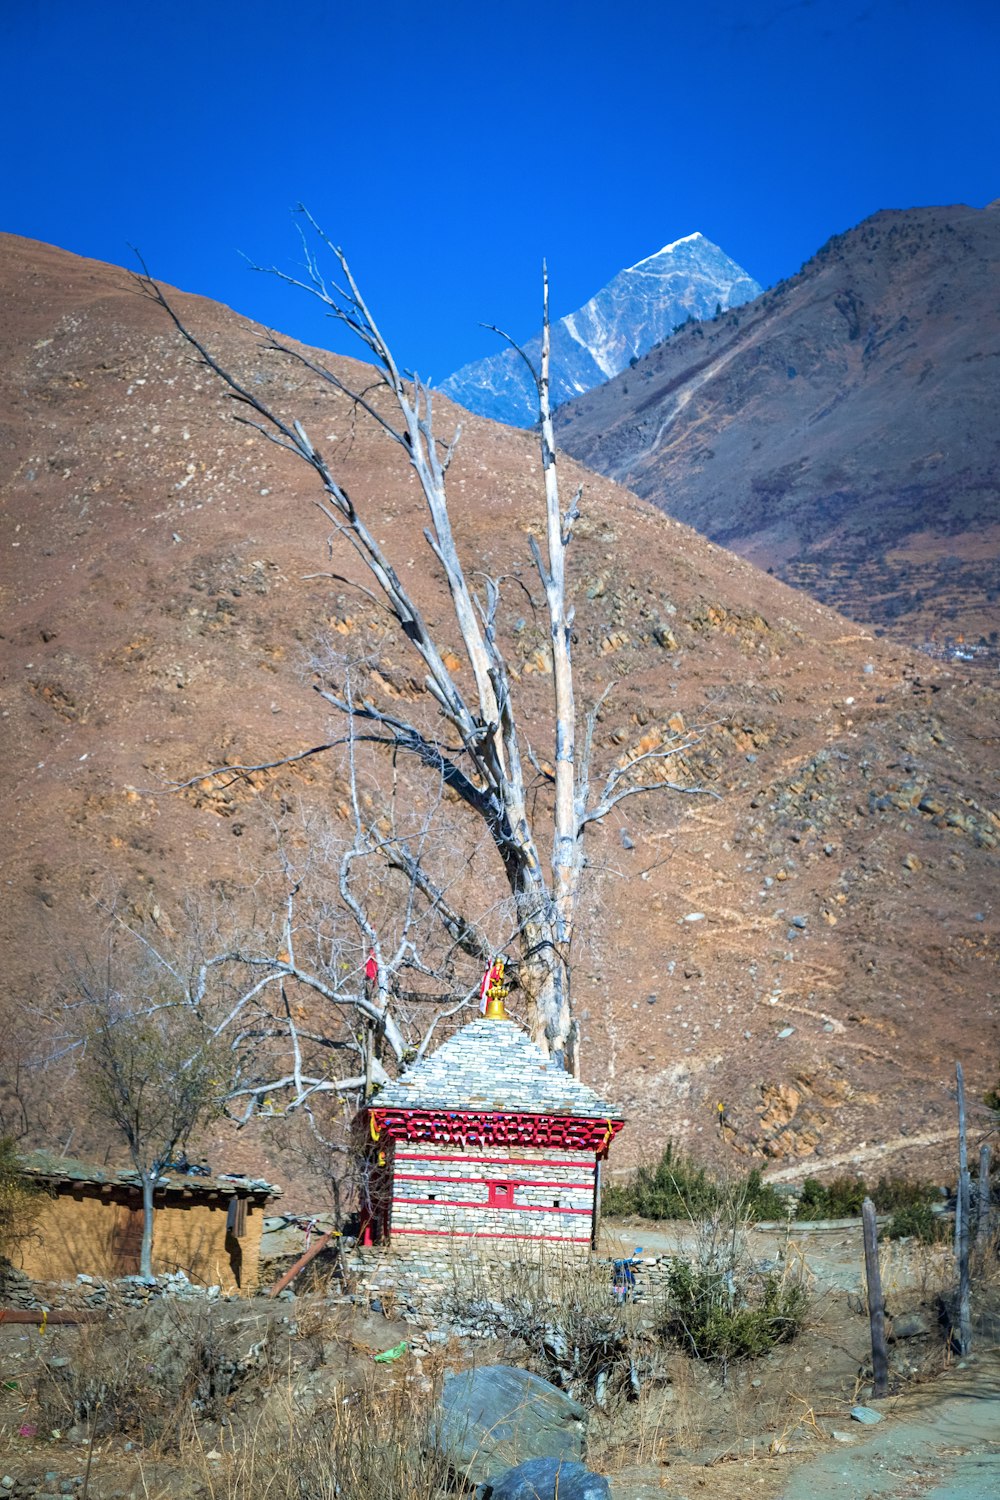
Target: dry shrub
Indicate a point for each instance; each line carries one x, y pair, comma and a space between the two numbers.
20, 1203
721, 1305
372, 1443
562, 1310
147, 1374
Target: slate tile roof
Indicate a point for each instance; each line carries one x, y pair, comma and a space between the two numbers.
47, 1166
492, 1064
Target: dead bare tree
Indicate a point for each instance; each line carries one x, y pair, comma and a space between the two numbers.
480, 756
343, 962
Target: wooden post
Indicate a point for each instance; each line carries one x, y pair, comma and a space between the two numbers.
963, 1204
876, 1301
983, 1225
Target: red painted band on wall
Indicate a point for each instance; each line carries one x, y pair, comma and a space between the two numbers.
486, 1234
587, 1187
492, 1161
508, 1208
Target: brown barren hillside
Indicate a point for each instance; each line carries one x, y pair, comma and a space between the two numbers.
840, 429
813, 948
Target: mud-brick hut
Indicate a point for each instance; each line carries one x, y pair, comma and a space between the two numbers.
91, 1221
486, 1139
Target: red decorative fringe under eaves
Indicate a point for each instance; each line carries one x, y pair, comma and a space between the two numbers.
497, 1128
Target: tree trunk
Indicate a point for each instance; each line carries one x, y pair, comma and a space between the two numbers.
544, 969
146, 1254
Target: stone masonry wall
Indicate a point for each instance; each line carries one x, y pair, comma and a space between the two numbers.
439, 1283
496, 1192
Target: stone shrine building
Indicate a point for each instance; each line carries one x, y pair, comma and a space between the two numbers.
486, 1139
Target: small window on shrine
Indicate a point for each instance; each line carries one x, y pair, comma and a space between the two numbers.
557, 1203
501, 1194
431, 1197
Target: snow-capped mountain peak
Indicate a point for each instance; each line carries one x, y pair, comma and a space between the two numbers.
641, 306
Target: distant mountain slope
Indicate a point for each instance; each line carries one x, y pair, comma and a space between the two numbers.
842, 429
640, 306
814, 947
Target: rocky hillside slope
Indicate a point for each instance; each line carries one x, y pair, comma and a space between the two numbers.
640, 306
812, 947
840, 430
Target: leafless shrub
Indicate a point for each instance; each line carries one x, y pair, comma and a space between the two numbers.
151, 1373
563, 1312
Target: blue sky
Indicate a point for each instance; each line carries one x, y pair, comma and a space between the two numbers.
450, 146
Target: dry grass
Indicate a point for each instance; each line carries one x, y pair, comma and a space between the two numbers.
369, 1444
230, 1411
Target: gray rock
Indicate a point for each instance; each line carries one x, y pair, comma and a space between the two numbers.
496, 1416
547, 1479
866, 1415
909, 1326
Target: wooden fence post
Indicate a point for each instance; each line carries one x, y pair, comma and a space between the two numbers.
876, 1301
983, 1225
963, 1205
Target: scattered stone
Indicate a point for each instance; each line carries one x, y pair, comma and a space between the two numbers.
800, 922
842, 1437
547, 1479
865, 1415
911, 862
909, 1326
786, 1031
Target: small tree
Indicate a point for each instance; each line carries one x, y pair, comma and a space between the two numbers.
152, 1072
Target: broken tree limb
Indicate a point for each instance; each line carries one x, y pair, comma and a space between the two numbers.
303, 1260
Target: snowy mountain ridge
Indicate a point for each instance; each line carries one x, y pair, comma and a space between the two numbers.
688, 278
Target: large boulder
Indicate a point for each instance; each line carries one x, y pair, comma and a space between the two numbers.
547, 1479
495, 1417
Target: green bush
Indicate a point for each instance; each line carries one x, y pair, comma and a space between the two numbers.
842, 1198
919, 1221
678, 1189
892, 1193
725, 1313
674, 1189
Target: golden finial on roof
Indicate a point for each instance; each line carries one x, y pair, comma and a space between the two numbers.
494, 992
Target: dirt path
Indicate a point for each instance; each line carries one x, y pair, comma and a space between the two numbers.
864, 1154
939, 1439
939, 1444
